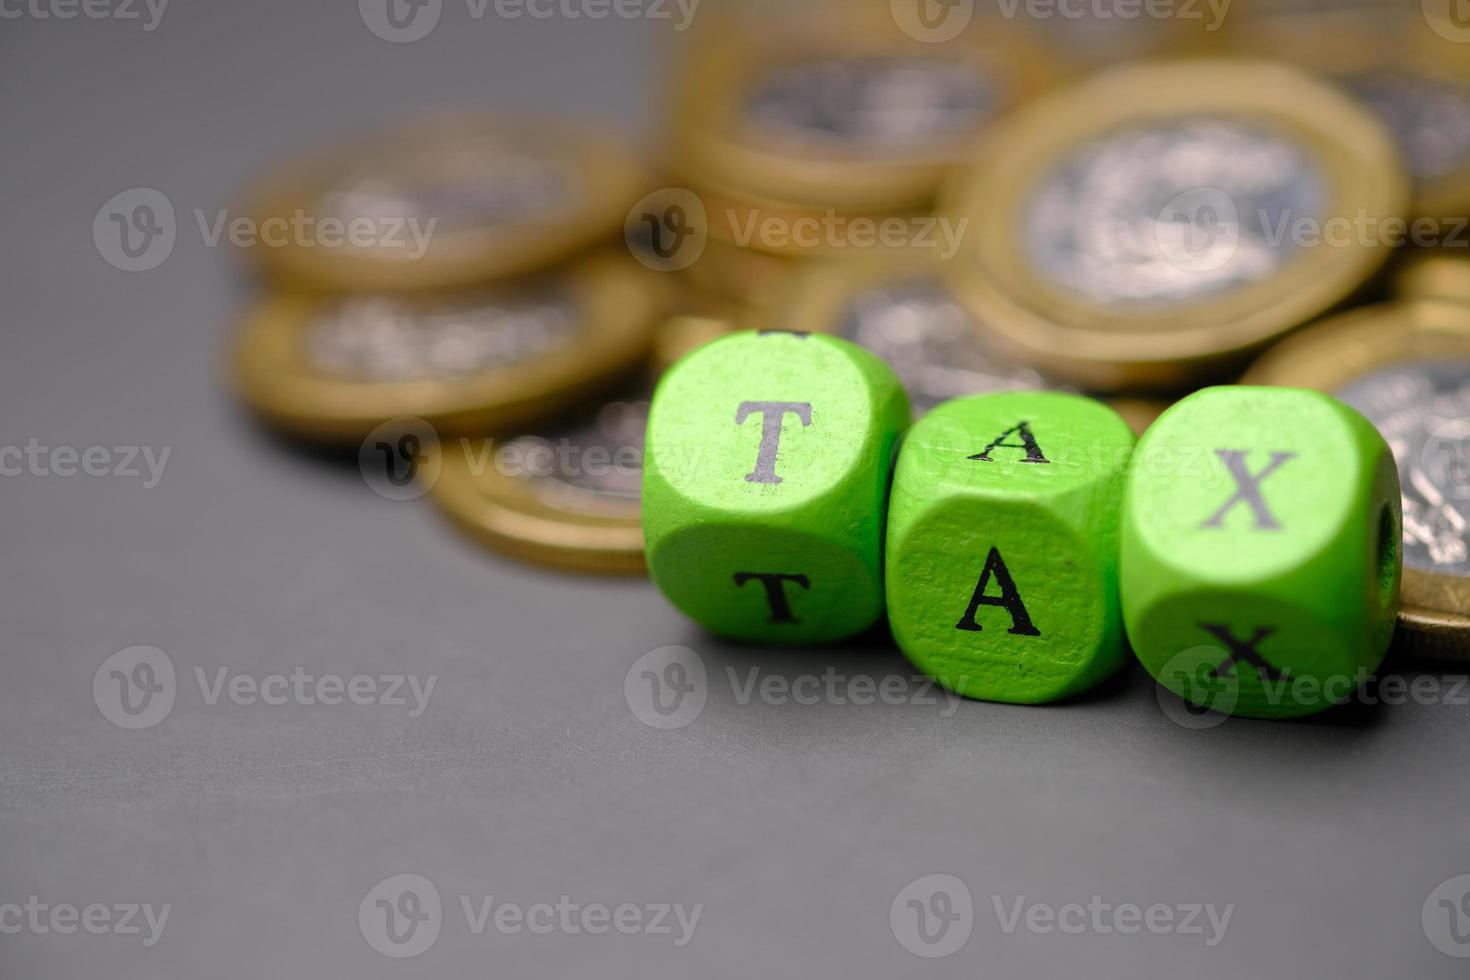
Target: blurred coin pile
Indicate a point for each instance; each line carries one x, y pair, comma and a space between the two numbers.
484, 292
989, 196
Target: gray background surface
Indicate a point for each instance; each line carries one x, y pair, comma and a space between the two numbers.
528, 777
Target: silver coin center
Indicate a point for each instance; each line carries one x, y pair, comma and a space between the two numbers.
383, 338
1172, 213
1423, 410
1430, 119
887, 105
602, 457
469, 183
931, 342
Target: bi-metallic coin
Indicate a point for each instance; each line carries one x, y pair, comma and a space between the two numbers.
1406, 366
861, 121
451, 200
566, 496
333, 367
1157, 223
900, 306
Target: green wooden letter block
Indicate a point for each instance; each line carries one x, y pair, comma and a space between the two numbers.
1003, 545
765, 481
1260, 559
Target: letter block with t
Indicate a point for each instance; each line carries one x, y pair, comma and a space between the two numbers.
1003, 545
765, 480
1260, 554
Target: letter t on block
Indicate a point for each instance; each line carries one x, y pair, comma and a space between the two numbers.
772, 531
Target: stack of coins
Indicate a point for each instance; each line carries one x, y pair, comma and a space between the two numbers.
1130, 208
821, 131
464, 283
1408, 65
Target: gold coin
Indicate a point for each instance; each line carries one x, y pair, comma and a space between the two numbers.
566, 497
692, 328
1159, 222
1138, 412
900, 306
1416, 81
1406, 366
755, 280
866, 119
1094, 37
333, 367
763, 227
1433, 274
452, 200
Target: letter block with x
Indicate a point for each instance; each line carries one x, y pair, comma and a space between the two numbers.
1003, 545
1261, 549
765, 485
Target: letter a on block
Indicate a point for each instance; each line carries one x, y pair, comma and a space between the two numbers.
1035, 513
1028, 443
1009, 599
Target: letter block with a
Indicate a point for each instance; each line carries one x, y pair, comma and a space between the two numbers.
765, 481
1003, 541
1261, 548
